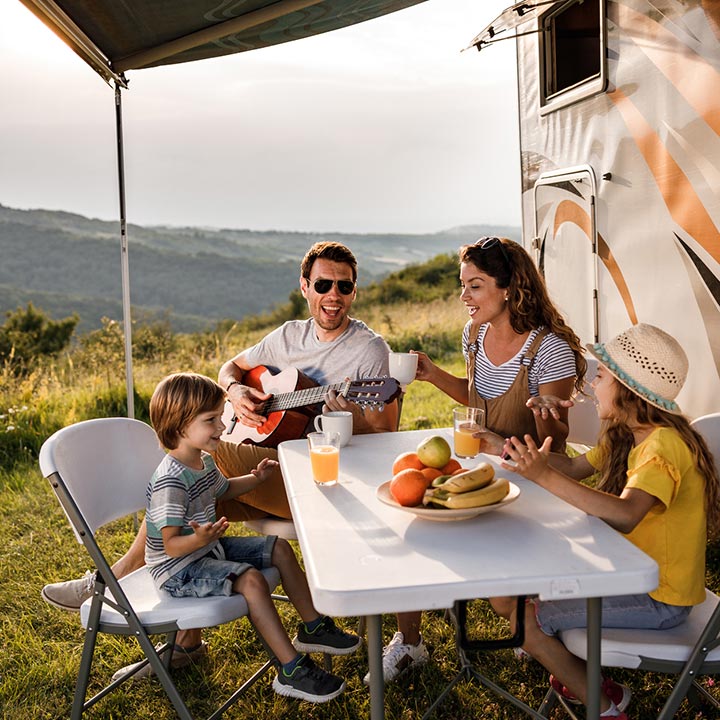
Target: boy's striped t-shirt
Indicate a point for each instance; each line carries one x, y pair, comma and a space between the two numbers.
176, 495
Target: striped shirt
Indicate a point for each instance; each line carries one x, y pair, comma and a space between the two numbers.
177, 494
554, 361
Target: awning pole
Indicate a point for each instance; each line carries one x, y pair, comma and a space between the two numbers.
124, 265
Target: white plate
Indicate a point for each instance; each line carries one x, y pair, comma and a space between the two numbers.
383, 494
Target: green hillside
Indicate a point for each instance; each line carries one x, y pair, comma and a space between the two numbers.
66, 263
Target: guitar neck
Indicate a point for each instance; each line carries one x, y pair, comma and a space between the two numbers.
301, 398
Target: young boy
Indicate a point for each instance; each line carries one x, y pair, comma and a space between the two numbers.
187, 554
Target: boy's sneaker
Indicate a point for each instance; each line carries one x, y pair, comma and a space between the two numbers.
619, 694
71, 594
398, 657
308, 682
326, 638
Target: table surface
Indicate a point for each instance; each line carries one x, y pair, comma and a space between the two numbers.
364, 557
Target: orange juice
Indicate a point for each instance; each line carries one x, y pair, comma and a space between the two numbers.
325, 461
466, 446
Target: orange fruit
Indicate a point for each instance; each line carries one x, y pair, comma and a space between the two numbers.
431, 473
458, 471
408, 487
451, 467
406, 460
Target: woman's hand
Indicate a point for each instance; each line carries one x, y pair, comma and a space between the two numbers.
490, 443
425, 367
546, 406
530, 460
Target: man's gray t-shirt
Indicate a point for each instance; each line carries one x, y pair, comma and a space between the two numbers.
358, 353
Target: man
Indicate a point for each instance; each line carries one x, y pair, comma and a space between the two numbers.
328, 347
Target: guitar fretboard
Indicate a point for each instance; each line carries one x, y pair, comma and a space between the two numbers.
301, 398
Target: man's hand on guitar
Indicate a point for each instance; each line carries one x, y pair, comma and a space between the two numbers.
245, 401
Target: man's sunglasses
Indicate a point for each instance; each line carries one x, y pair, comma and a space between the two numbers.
487, 243
322, 286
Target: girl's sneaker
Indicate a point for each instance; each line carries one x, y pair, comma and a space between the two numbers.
619, 694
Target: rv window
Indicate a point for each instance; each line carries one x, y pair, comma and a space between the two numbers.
572, 52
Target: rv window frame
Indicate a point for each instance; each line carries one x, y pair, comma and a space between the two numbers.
574, 173
593, 85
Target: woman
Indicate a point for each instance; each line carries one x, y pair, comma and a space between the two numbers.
523, 365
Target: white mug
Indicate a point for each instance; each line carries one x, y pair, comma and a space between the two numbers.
340, 421
403, 366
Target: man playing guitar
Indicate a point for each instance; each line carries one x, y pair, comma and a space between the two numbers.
327, 348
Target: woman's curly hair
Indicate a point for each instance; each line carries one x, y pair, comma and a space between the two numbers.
528, 300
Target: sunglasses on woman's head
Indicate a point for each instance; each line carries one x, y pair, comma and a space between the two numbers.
322, 286
486, 243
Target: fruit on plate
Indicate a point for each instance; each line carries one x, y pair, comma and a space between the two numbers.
474, 479
488, 495
451, 467
430, 474
406, 460
408, 487
434, 451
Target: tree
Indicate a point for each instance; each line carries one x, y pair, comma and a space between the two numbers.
29, 333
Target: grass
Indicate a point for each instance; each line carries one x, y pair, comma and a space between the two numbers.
42, 645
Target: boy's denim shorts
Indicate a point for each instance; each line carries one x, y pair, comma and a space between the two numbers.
622, 611
212, 576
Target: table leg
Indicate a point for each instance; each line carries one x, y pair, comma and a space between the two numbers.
375, 648
594, 621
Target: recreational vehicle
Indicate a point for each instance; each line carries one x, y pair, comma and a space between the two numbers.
619, 120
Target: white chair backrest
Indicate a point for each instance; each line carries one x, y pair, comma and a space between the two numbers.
709, 427
106, 465
582, 417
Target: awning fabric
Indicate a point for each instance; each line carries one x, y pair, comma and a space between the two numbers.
509, 19
114, 36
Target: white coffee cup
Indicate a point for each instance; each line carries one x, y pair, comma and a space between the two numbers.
340, 421
403, 366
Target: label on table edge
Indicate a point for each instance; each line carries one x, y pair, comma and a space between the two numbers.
567, 587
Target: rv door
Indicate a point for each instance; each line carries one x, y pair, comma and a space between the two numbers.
565, 245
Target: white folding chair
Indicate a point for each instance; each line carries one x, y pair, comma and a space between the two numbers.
689, 650
584, 424
99, 471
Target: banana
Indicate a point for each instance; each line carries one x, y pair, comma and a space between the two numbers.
492, 493
474, 479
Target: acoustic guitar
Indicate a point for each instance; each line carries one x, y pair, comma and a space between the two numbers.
296, 399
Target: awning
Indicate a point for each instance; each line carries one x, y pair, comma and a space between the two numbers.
114, 36
509, 19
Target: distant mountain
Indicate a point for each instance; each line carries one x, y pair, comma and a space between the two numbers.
195, 276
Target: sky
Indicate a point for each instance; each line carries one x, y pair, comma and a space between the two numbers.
382, 127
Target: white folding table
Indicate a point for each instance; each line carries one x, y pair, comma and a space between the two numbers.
365, 558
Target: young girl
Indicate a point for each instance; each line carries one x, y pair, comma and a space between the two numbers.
658, 485
188, 554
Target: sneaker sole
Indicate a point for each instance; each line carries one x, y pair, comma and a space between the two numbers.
55, 603
328, 650
289, 691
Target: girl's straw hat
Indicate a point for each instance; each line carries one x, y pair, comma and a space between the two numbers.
648, 361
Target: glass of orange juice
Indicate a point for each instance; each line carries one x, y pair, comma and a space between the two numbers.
324, 456
466, 421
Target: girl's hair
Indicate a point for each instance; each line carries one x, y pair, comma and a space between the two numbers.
528, 300
178, 399
616, 442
